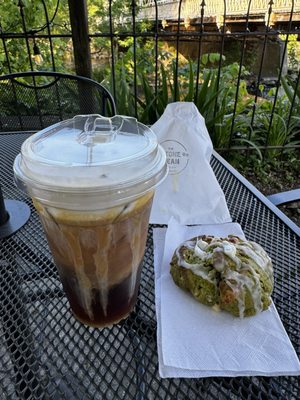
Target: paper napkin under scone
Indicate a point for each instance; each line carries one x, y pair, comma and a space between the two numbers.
196, 341
191, 192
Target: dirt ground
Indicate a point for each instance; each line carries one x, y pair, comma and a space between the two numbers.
279, 180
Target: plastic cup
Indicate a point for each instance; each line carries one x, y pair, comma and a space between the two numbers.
92, 180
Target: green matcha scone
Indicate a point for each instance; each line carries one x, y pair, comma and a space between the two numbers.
229, 273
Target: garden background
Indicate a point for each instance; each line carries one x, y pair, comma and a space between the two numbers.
241, 72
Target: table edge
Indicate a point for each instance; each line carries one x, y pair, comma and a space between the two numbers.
286, 220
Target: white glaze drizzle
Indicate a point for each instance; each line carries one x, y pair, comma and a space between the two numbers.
198, 268
201, 244
200, 253
235, 279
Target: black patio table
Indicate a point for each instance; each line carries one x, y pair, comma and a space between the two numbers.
46, 354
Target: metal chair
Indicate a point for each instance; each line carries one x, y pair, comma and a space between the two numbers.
30, 101
285, 197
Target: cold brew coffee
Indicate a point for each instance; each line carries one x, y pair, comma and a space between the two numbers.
99, 256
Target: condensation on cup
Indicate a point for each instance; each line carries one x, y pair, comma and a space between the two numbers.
92, 181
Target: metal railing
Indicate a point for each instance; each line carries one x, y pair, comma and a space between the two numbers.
237, 60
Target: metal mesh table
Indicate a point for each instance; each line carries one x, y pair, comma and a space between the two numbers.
46, 354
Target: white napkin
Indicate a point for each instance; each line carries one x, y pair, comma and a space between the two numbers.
195, 341
191, 192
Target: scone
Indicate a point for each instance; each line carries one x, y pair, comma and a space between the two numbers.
229, 273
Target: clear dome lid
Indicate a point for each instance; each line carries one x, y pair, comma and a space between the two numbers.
90, 154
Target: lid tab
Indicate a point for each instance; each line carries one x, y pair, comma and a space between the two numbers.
98, 129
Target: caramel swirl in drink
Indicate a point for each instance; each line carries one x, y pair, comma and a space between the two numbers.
99, 255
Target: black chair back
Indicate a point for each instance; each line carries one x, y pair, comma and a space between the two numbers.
30, 101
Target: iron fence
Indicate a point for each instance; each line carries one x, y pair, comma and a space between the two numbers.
237, 60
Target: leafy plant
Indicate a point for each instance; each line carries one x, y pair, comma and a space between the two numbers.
293, 51
146, 76
292, 91
16, 57
214, 96
276, 123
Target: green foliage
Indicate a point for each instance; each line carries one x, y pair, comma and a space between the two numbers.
214, 96
278, 124
152, 73
34, 14
293, 51
269, 175
292, 91
35, 21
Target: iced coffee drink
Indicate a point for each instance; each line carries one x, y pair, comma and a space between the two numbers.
92, 180
98, 256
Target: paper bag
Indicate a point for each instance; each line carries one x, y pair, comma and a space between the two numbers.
190, 193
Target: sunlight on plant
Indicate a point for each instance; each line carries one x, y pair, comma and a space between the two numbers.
146, 75
226, 108
293, 51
